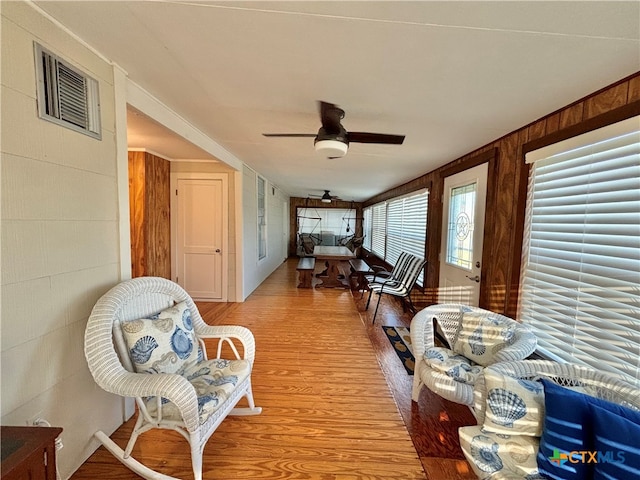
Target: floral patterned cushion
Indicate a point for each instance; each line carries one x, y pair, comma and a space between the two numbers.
456, 366
480, 337
514, 406
214, 380
164, 342
494, 455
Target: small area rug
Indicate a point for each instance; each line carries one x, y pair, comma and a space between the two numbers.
401, 342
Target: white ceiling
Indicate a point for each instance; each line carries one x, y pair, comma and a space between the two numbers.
452, 76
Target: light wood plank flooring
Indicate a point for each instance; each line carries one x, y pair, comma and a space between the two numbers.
328, 411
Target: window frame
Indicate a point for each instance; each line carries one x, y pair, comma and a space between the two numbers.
578, 339
261, 219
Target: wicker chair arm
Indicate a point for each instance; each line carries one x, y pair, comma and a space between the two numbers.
170, 386
173, 387
524, 344
422, 334
230, 333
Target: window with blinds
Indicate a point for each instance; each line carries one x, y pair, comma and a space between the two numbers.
262, 218
580, 285
366, 227
379, 229
407, 227
396, 226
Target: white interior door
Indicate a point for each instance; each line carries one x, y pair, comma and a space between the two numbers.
201, 256
464, 203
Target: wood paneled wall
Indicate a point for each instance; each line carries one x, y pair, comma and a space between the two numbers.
297, 202
149, 209
506, 192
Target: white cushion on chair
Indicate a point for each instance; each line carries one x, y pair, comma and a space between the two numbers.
164, 342
214, 380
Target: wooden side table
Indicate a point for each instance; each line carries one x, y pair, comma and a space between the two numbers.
28, 453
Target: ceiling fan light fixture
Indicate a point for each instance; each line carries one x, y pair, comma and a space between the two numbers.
331, 148
326, 198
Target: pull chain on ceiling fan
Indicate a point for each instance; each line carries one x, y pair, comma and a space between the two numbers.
333, 140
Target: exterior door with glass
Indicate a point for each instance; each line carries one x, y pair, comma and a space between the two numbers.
463, 208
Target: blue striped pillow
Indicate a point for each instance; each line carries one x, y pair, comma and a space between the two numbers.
566, 429
576, 422
617, 441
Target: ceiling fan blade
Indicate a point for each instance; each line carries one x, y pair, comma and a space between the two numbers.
309, 135
367, 137
330, 116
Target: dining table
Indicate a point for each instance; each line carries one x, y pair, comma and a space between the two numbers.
333, 255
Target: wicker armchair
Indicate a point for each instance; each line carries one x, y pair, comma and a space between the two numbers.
194, 396
500, 456
448, 320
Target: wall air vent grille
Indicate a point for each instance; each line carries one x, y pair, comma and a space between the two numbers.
66, 95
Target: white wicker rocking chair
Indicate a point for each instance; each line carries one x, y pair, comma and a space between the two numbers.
166, 400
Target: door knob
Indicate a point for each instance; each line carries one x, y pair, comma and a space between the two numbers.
217, 250
474, 279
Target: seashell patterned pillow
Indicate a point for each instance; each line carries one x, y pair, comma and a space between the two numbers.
514, 406
452, 364
164, 342
480, 337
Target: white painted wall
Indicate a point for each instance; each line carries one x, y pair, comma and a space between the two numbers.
256, 271
65, 239
60, 240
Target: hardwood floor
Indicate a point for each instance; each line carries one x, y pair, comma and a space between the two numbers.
432, 422
328, 413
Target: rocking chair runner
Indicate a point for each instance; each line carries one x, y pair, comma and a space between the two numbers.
177, 389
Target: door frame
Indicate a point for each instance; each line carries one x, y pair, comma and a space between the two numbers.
174, 177
490, 156
477, 175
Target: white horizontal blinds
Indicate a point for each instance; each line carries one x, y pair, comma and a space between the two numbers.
366, 228
407, 227
379, 229
580, 287
394, 231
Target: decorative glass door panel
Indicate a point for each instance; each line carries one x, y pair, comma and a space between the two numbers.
462, 208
